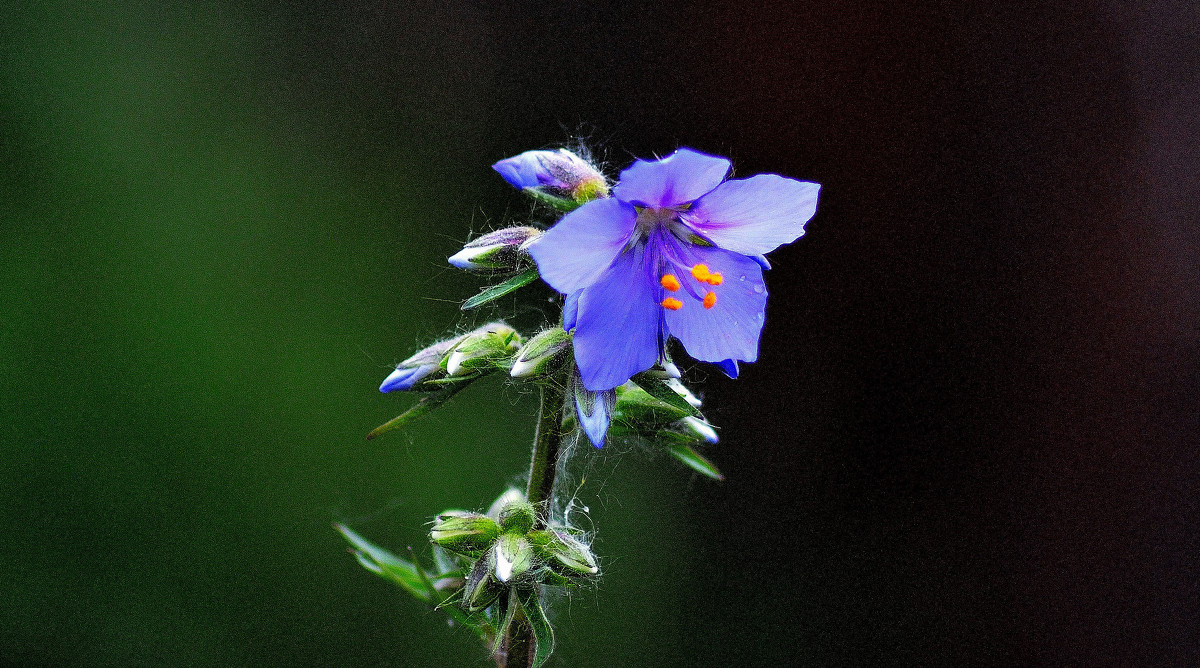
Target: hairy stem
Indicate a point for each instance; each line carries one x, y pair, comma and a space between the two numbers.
547, 444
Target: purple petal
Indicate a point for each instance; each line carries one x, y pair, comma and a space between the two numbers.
594, 410
405, 377
730, 329
574, 253
728, 367
755, 215
617, 331
525, 170
679, 178
570, 311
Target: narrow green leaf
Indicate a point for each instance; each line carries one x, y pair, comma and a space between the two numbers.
694, 460
500, 289
543, 633
425, 405
387, 565
659, 390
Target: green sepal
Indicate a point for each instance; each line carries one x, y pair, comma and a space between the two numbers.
517, 517
543, 633
513, 557
497, 291
425, 405
481, 588
485, 349
563, 204
694, 460
465, 533
658, 388
506, 611
645, 413
542, 355
564, 554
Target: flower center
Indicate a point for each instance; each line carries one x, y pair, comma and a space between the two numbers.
702, 275
666, 221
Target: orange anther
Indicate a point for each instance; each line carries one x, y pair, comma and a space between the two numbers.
715, 278
710, 299
670, 282
672, 304
700, 272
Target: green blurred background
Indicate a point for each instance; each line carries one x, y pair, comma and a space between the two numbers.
217, 240
968, 440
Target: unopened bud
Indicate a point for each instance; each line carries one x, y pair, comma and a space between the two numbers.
514, 556
541, 354
517, 517
502, 251
483, 348
425, 364
559, 177
510, 496
481, 587
565, 554
465, 533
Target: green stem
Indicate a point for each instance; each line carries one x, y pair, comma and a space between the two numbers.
546, 446
518, 646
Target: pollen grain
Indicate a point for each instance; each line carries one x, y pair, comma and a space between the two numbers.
700, 272
672, 304
710, 299
715, 278
670, 282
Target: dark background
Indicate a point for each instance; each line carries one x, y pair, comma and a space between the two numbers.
971, 437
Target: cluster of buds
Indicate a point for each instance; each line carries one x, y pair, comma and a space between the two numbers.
559, 178
456, 360
505, 551
494, 346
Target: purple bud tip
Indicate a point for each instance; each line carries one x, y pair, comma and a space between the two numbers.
403, 378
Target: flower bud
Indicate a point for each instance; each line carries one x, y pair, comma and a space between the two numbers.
419, 367
465, 533
510, 496
517, 517
514, 556
502, 251
481, 587
559, 177
565, 554
541, 354
483, 348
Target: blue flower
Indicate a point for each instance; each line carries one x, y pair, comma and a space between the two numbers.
675, 252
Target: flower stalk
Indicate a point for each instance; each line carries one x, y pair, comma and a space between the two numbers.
543, 467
